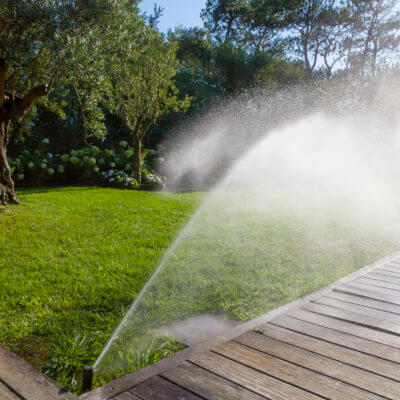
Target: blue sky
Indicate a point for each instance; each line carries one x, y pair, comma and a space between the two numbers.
176, 12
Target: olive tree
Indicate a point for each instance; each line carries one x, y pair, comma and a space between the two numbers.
45, 44
143, 88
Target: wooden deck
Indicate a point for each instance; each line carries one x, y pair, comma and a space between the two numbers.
341, 343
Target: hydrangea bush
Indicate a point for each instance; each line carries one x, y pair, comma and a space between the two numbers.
88, 165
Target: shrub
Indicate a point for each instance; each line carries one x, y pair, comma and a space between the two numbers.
87, 165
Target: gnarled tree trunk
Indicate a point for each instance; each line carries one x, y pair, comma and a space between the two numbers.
7, 189
12, 108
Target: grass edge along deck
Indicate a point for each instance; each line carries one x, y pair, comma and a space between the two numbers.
163, 380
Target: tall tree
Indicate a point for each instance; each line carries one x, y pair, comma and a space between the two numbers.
44, 43
143, 88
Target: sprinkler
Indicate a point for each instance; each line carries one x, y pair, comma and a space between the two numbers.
87, 381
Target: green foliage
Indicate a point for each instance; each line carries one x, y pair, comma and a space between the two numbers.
87, 165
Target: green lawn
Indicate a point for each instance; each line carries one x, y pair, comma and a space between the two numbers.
71, 261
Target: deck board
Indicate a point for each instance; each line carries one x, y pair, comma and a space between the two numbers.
340, 343
7, 394
334, 350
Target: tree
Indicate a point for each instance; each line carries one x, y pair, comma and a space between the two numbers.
143, 89
44, 43
372, 37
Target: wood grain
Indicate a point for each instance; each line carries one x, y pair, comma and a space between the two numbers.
27, 381
337, 337
367, 292
6, 394
208, 385
347, 327
250, 378
321, 364
354, 318
334, 351
158, 388
293, 374
365, 301
360, 309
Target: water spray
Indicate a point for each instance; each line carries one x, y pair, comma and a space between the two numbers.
87, 381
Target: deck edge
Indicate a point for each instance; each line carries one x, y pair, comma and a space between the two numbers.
128, 381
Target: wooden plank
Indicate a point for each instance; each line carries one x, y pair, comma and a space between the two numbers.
364, 301
355, 318
387, 273
158, 388
124, 383
334, 351
368, 292
391, 292
293, 374
126, 396
6, 394
360, 309
252, 379
323, 365
341, 338
390, 268
383, 278
27, 381
208, 385
375, 282
347, 327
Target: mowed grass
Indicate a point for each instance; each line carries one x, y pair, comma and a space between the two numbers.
72, 260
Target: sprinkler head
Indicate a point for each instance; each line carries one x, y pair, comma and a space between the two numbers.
87, 381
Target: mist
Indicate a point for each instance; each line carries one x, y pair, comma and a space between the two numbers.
309, 192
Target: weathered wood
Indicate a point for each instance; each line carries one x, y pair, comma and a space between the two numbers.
6, 394
390, 268
321, 364
334, 351
367, 292
252, 379
347, 327
383, 278
293, 374
355, 318
375, 282
160, 389
28, 382
360, 309
337, 337
386, 273
208, 385
375, 288
123, 384
126, 396
364, 301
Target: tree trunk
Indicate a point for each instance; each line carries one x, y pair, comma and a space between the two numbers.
137, 160
7, 189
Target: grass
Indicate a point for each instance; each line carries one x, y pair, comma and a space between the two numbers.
73, 259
